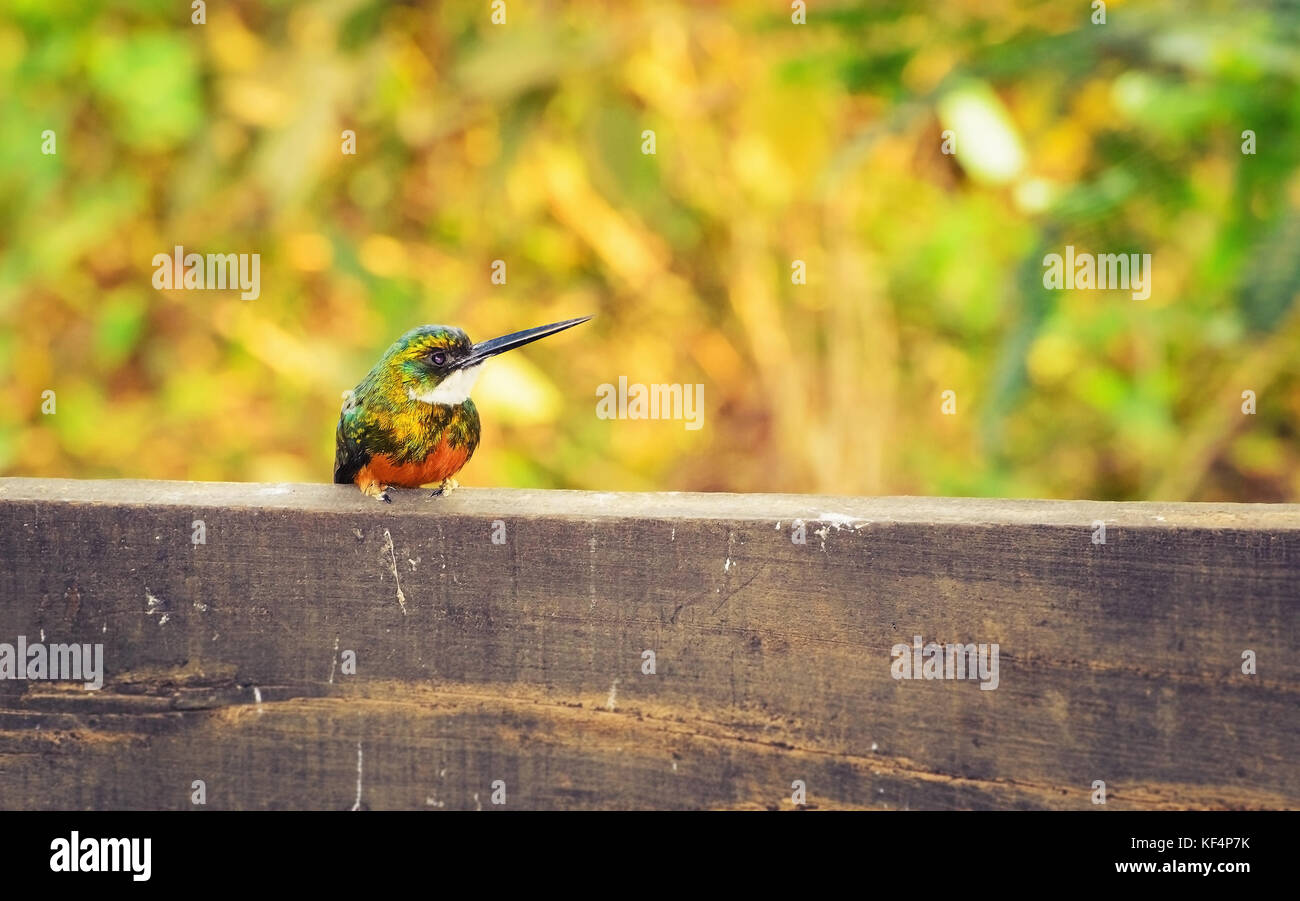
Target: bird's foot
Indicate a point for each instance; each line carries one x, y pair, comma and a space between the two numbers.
446, 488
377, 491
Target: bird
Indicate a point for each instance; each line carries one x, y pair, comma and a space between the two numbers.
411, 422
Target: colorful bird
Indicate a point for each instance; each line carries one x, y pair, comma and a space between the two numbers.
411, 421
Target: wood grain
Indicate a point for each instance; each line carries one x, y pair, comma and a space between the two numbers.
522, 661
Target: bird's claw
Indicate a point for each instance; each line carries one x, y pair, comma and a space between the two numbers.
447, 487
378, 492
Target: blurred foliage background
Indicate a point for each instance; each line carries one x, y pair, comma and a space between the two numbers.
775, 142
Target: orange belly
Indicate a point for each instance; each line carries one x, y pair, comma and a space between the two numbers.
443, 463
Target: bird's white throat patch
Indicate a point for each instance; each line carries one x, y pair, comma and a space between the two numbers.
454, 389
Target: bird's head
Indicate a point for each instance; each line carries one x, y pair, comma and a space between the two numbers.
438, 364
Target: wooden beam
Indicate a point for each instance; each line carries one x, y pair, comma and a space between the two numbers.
500, 639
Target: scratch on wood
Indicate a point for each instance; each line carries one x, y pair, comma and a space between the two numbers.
731, 594
155, 605
357, 804
392, 561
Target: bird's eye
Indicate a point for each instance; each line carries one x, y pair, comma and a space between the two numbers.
438, 357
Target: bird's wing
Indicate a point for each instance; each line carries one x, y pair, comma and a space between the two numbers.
349, 454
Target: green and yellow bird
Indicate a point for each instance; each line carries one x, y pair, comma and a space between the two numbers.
411, 421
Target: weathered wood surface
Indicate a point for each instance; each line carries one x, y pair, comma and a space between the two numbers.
522, 661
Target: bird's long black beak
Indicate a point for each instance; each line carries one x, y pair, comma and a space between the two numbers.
485, 349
